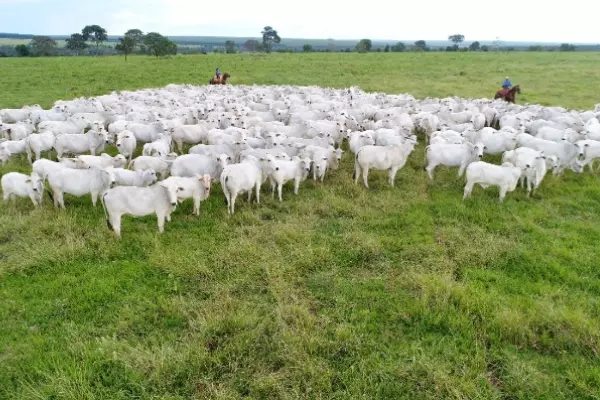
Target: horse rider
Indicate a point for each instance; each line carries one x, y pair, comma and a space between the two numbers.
506, 84
218, 74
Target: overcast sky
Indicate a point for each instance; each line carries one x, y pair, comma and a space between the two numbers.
511, 20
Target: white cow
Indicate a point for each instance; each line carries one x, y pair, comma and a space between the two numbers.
160, 165
321, 158
558, 134
452, 155
391, 158
282, 171
146, 133
565, 152
240, 178
505, 176
498, 142
193, 164
159, 199
127, 143
16, 131
43, 166
589, 150
13, 147
478, 121
104, 160
190, 134
91, 141
16, 184
126, 177
216, 149
79, 182
195, 187
72, 125
39, 142
533, 164
161, 146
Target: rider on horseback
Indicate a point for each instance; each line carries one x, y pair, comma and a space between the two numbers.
506, 84
217, 73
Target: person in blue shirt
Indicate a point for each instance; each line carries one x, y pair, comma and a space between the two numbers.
507, 83
217, 73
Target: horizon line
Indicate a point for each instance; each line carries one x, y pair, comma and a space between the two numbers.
329, 38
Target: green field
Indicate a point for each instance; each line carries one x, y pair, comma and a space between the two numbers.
339, 292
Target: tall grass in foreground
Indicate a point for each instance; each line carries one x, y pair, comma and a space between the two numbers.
339, 292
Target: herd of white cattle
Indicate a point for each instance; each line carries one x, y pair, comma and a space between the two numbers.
243, 135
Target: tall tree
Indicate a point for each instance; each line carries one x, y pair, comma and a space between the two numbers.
159, 45
43, 45
252, 45
330, 45
229, 46
567, 47
364, 45
269, 36
386, 49
95, 33
136, 34
456, 38
399, 47
22, 50
475, 46
307, 48
76, 43
421, 45
126, 45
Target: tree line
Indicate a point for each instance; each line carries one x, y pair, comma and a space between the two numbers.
134, 41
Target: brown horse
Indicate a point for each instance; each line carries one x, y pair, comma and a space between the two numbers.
222, 80
508, 94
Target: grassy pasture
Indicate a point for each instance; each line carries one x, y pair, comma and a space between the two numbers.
340, 292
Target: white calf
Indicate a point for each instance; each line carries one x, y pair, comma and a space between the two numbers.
505, 176
282, 171
589, 150
91, 141
239, 178
196, 187
452, 155
533, 165
39, 142
193, 164
356, 140
161, 146
159, 199
104, 160
160, 165
16, 184
127, 143
141, 178
391, 158
43, 166
12, 147
79, 182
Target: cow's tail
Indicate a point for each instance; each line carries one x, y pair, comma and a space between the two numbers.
226, 189
28, 149
356, 165
105, 212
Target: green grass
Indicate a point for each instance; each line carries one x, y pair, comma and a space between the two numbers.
340, 292
561, 79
